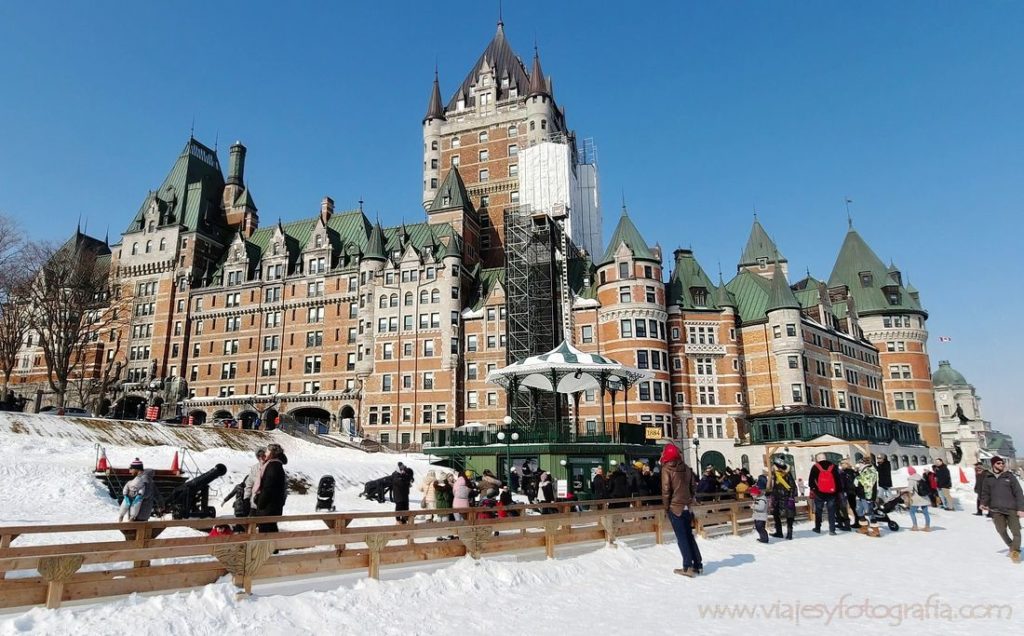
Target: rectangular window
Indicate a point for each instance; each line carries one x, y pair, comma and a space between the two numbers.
798, 392
471, 371
388, 351
626, 328
428, 380
777, 331
385, 382
790, 330
649, 294
428, 348
313, 364
471, 400
706, 395
645, 391
641, 359
794, 362
641, 328
471, 343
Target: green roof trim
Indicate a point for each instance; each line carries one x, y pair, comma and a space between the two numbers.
486, 281
780, 296
865, 275
760, 245
626, 232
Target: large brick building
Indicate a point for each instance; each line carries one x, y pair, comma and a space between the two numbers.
393, 330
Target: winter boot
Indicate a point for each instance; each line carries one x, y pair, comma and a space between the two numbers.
688, 572
1015, 556
874, 531
862, 529
778, 527
789, 529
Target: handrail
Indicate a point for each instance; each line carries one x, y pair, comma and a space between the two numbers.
344, 545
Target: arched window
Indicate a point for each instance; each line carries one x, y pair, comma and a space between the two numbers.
383, 302
435, 296
745, 462
906, 460
394, 300
149, 246
319, 240
455, 142
408, 299
135, 249
895, 459
424, 296
163, 244
483, 136
513, 131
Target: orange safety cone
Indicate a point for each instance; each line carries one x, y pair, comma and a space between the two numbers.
963, 477
174, 464
102, 465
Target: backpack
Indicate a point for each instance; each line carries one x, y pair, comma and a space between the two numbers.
826, 481
923, 487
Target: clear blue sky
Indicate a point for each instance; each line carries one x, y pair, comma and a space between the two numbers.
700, 111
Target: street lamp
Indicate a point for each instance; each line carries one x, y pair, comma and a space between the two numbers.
696, 451
508, 438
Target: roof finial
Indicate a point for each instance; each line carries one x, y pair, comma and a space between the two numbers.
755, 211
216, 140
192, 130
849, 217
106, 235
360, 204
624, 213
78, 227
501, 22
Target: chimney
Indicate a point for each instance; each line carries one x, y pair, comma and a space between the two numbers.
236, 164
326, 209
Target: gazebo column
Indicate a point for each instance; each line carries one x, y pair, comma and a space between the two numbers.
558, 404
576, 412
603, 382
535, 408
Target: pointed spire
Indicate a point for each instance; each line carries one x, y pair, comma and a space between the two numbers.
781, 295
759, 245
501, 21
435, 110
106, 236
538, 85
375, 243
849, 217
452, 194
722, 296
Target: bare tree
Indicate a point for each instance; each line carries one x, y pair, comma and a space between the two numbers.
68, 300
102, 353
17, 266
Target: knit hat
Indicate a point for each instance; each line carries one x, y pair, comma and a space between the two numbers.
996, 458
670, 454
136, 465
754, 491
781, 463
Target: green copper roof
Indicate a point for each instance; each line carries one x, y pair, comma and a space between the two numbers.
760, 245
626, 232
751, 294
723, 297
806, 291
485, 282
860, 269
780, 295
375, 244
580, 270
686, 283
190, 194
946, 375
452, 194
244, 200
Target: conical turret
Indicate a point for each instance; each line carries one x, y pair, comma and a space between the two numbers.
435, 109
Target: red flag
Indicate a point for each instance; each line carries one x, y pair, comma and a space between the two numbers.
963, 477
911, 471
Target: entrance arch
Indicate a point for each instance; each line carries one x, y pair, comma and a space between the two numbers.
713, 459
270, 419
248, 419
347, 420
223, 415
314, 416
198, 417
127, 408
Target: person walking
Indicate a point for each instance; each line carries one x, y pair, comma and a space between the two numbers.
782, 489
944, 482
824, 481
271, 487
599, 484
919, 490
678, 486
980, 473
760, 513
1001, 495
884, 469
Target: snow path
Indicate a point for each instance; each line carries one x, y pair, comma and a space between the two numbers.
585, 590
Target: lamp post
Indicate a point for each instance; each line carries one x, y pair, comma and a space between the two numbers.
508, 438
696, 451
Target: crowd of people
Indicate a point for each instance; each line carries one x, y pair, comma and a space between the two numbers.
848, 495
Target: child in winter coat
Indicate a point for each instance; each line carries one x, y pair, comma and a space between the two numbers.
760, 510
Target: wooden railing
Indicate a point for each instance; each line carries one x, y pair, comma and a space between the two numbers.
141, 561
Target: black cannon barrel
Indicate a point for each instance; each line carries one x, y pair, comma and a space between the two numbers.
191, 499
206, 478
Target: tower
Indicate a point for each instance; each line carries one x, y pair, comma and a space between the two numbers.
783, 312
239, 208
432, 123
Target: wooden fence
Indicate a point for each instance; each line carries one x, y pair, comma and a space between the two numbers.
51, 574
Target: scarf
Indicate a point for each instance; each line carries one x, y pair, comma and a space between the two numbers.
780, 477
259, 477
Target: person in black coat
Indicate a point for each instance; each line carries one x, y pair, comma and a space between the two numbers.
824, 501
401, 483
618, 487
884, 469
945, 482
599, 484
272, 491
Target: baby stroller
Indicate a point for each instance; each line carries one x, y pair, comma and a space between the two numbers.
880, 512
325, 494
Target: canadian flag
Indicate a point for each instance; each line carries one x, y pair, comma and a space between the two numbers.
945, 339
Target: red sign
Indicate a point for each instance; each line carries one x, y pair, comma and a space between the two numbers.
152, 413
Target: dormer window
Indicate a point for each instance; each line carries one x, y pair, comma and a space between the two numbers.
866, 279
623, 270
699, 295
152, 226
892, 294
762, 263
446, 200
238, 253
513, 92
277, 248
319, 241
504, 82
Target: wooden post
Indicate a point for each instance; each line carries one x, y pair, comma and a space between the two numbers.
733, 517
474, 538
608, 523
55, 571
5, 542
659, 527
550, 528
243, 561
339, 527
376, 543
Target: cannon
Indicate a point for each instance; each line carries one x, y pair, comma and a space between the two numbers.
191, 499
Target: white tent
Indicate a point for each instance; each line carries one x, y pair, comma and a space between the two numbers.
566, 369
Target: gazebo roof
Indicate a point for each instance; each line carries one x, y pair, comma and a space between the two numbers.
565, 369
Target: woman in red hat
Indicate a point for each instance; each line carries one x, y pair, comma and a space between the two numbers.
678, 484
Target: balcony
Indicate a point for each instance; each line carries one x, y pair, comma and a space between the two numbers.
705, 349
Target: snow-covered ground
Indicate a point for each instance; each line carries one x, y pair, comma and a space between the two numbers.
954, 580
